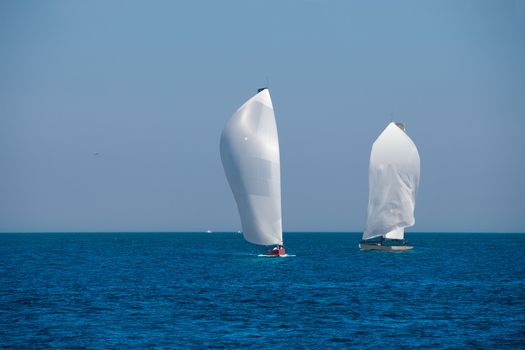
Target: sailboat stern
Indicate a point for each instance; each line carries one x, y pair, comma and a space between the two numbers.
366, 246
277, 251
385, 244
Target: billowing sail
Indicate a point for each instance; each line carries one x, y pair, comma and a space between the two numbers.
250, 157
393, 181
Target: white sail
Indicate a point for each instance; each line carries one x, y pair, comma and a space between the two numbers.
250, 157
393, 181
398, 233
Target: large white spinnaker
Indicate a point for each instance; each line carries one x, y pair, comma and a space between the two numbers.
393, 181
250, 157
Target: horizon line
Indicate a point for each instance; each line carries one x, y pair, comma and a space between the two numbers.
234, 231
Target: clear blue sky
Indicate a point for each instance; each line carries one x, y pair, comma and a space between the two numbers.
150, 84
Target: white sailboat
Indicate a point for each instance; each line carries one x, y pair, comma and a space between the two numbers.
250, 156
393, 181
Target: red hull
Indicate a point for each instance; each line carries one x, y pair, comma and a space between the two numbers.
277, 251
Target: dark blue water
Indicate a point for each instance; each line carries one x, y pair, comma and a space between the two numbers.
211, 290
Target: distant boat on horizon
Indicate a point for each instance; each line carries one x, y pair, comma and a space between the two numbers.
249, 149
393, 182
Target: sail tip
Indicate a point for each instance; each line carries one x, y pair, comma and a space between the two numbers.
400, 125
261, 89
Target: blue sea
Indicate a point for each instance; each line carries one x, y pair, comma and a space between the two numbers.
199, 290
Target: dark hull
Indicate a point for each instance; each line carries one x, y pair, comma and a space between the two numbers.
365, 246
384, 244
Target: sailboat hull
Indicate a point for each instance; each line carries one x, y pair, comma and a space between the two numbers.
277, 252
364, 246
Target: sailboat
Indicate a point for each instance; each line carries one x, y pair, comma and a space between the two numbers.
393, 182
249, 150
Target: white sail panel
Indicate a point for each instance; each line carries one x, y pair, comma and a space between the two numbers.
395, 234
250, 157
393, 181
